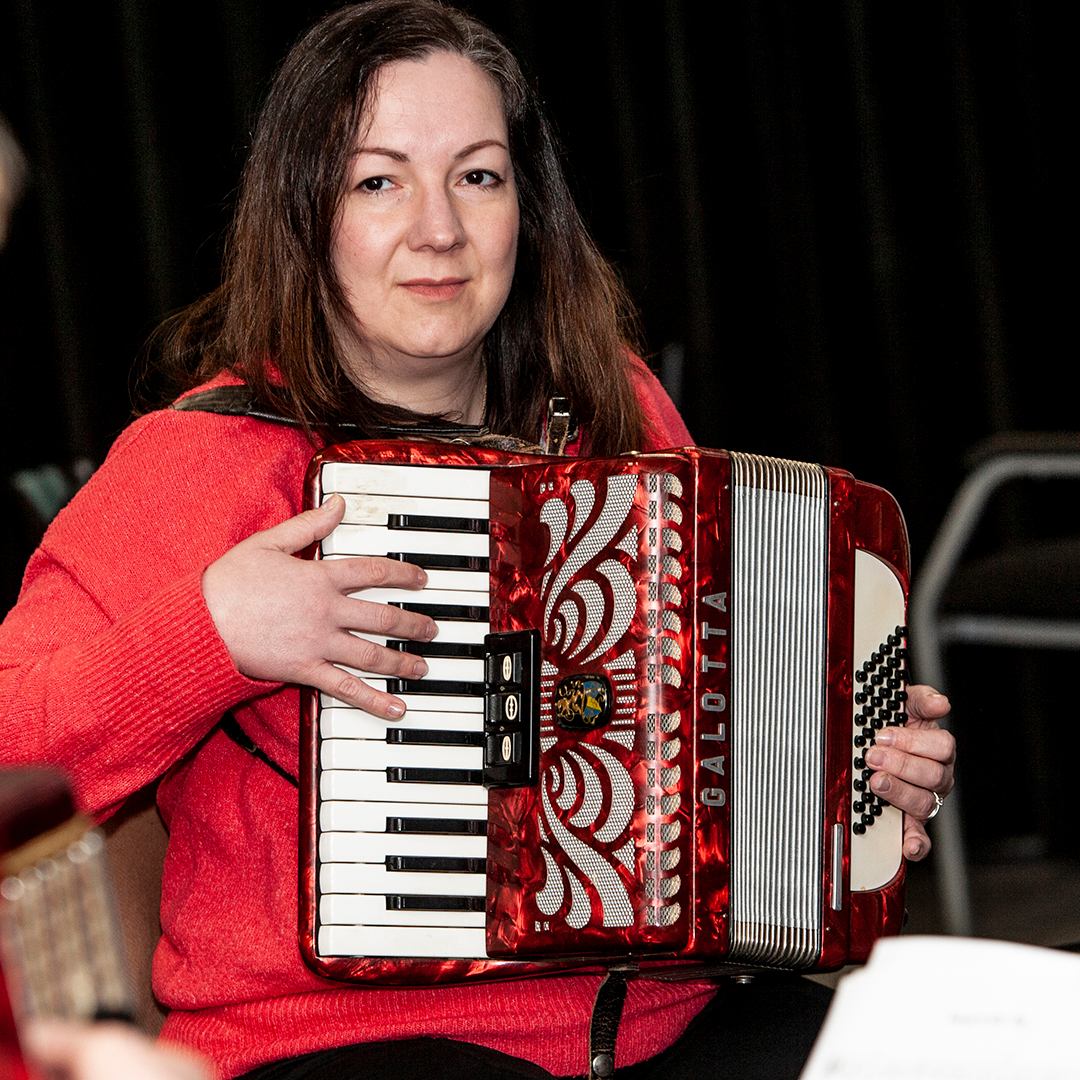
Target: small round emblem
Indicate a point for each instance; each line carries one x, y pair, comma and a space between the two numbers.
582, 702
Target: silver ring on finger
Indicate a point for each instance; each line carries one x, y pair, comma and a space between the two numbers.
939, 802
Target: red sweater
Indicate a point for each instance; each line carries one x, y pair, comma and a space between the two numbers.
111, 667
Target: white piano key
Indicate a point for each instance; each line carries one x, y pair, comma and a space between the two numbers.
420, 596
426, 481
473, 581
411, 941
372, 540
375, 878
357, 724
374, 847
454, 669
374, 509
346, 909
373, 754
363, 785
426, 701
371, 817
421, 702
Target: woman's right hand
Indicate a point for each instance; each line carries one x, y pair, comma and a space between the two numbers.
286, 619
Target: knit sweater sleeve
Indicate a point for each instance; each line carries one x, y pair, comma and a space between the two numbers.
110, 664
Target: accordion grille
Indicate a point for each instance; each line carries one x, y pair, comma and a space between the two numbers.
779, 599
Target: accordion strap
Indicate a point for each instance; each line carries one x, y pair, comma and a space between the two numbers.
231, 401
242, 401
604, 1027
230, 726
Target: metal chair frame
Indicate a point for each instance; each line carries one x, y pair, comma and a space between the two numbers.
1036, 457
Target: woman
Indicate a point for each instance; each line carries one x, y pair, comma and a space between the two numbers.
404, 247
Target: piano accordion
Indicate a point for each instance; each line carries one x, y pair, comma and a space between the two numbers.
641, 733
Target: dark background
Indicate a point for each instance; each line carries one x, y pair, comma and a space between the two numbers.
848, 220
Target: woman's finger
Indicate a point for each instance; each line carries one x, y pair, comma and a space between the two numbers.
372, 658
372, 572
926, 703
922, 772
917, 801
301, 531
383, 620
927, 762
916, 840
350, 689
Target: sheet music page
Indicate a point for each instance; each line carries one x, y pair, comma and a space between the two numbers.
940, 1008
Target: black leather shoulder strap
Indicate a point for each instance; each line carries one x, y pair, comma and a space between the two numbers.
230, 401
241, 401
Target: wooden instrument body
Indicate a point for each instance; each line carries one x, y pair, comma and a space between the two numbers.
59, 946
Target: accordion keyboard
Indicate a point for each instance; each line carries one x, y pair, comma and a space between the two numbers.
402, 808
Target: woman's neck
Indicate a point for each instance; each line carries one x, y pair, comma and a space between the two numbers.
458, 393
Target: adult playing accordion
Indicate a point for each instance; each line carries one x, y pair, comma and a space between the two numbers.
405, 252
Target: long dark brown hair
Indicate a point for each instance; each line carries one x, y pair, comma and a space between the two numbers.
565, 328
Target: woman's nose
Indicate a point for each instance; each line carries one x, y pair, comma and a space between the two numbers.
438, 223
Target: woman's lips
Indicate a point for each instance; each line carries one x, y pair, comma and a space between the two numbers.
444, 289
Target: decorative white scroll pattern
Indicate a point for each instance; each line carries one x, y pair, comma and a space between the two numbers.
589, 601
591, 857
589, 795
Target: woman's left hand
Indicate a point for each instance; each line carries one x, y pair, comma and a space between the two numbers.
914, 763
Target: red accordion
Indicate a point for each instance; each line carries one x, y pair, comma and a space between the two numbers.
641, 733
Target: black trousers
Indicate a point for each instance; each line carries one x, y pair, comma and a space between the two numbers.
763, 1031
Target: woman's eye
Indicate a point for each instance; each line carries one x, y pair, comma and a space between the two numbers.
374, 184
481, 178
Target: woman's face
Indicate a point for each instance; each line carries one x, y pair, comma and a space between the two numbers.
427, 237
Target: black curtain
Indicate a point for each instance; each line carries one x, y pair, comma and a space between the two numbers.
846, 224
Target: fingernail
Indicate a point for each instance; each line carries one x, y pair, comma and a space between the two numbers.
396, 709
913, 849
874, 756
881, 783
421, 578
885, 738
420, 669
430, 632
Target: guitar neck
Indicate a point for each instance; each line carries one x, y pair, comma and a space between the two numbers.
59, 943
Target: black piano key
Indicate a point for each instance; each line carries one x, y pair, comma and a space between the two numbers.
466, 612
434, 686
429, 560
435, 864
459, 650
449, 826
428, 523
417, 737
410, 774
434, 903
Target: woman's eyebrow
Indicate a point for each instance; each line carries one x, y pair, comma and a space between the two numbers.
398, 155
382, 151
